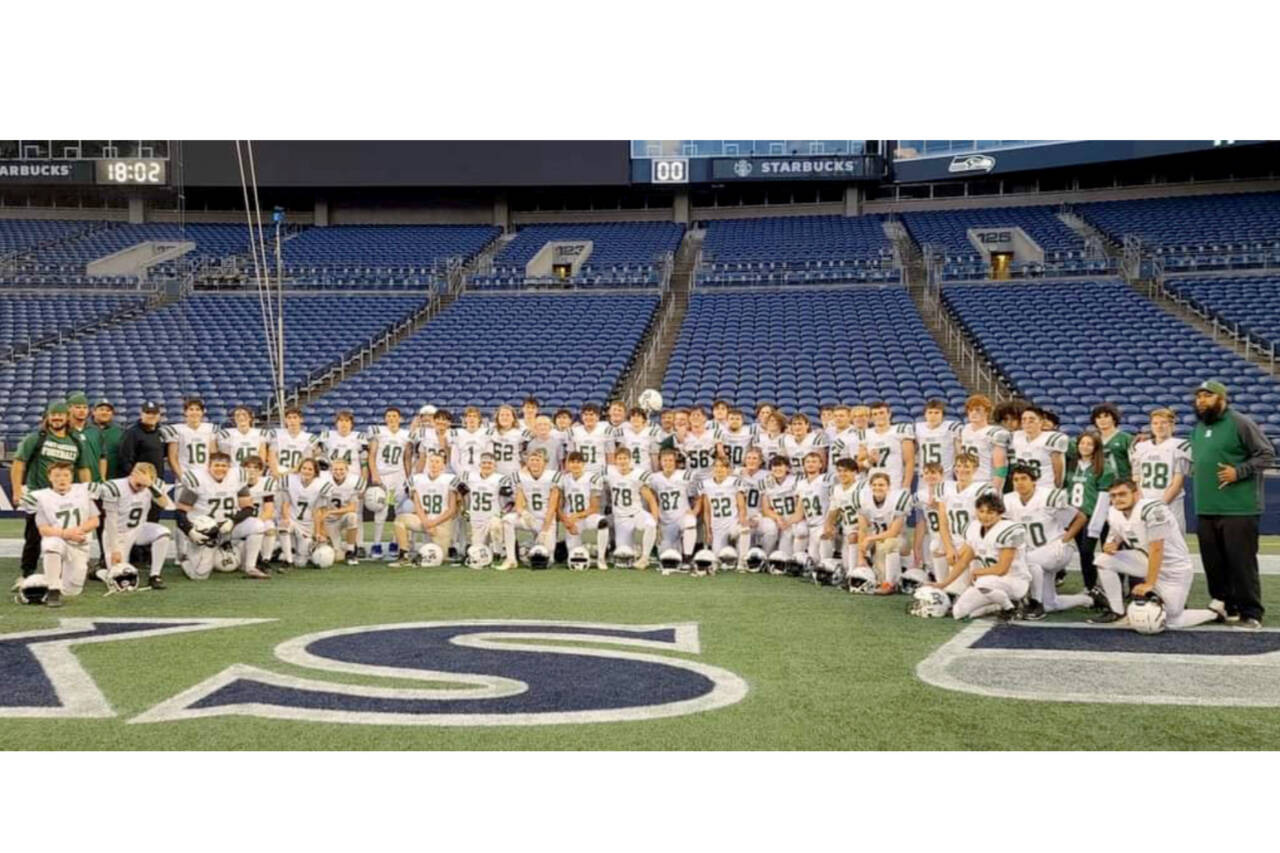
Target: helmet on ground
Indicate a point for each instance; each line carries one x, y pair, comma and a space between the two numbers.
539, 558
323, 555
579, 559
624, 557
375, 499
799, 565
479, 557
122, 578
430, 555
32, 589
705, 560
929, 602
670, 559
778, 562
650, 400
227, 560
828, 572
727, 556
1146, 615
910, 581
756, 559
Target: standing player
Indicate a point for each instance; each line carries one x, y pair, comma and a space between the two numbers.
487, 492
633, 506
890, 447
678, 508
243, 439
814, 492
724, 511
343, 518
1146, 543
509, 442
1161, 465
594, 440
847, 439
190, 442
735, 438
986, 441
700, 444
288, 447
537, 506
1116, 443
617, 415
432, 437
640, 440
882, 516
929, 548
66, 517
937, 438
529, 413
126, 501
1052, 524
388, 470
993, 557
720, 413
777, 528
1041, 449
800, 441
769, 437
470, 442
580, 508
220, 493
343, 441
435, 505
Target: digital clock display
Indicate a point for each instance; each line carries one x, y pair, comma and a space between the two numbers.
133, 172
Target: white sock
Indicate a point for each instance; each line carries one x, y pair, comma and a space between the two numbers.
648, 535
892, 567
1037, 582
509, 539
1110, 582
53, 570
602, 545
252, 548
159, 550
286, 547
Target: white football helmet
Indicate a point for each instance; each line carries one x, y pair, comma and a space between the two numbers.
227, 559
670, 559
704, 561
32, 589
756, 559
929, 602
650, 400
208, 528
427, 410
430, 555
778, 563
375, 499
539, 557
323, 555
728, 556
121, 578
624, 557
579, 559
479, 557
1147, 616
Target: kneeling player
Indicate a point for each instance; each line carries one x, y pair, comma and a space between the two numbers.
678, 507
882, 513
487, 492
303, 515
346, 500
1052, 524
630, 495
842, 512
993, 556
221, 494
777, 524
580, 507
814, 491
435, 506
724, 510
66, 518
1145, 543
537, 506
125, 504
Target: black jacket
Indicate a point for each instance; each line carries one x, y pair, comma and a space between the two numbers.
141, 445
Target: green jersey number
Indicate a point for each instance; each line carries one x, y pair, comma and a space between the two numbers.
812, 506
753, 498
930, 453
197, 454
959, 522
64, 517
481, 502
432, 504
1033, 464
1036, 531
222, 507
621, 497
1155, 475
785, 507
668, 501
391, 454
575, 502
536, 503
879, 456
721, 507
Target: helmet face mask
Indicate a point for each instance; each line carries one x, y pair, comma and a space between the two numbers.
704, 562
539, 558
624, 557
32, 590
650, 400
670, 559
778, 563
727, 556
121, 578
579, 559
208, 526
756, 559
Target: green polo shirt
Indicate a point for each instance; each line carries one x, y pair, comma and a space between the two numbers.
112, 434
92, 439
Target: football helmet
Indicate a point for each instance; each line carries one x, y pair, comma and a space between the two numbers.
929, 602
207, 529
579, 559
1146, 615
910, 580
479, 557
375, 499
756, 559
727, 556
829, 572
323, 555
539, 558
778, 563
121, 578
430, 555
227, 560
798, 566
624, 557
670, 560
650, 400
32, 589
705, 561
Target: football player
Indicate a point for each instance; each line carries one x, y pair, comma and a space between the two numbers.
262, 492
634, 506
846, 439
988, 442
769, 438
549, 441
861, 416
777, 527
617, 414
753, 476
1116, 443
928, 544
640, 439
529, 413
937, 439
343, 518
563, 422
1161, 464
842, 512
388, 469
126, 501
678, 507
343, 441
190, 442
700, 443
814, 492
735, 438
1041, 449
487, 494
1052, 524
220, 493
993, 556
882, 515
958, 501
66, 517
593, 439
724, 509
242, 440
890, 447
580, 507
288, 447
800, 441
305, 509
1145, 543
469, 442
509, 441
537, 507
435, 506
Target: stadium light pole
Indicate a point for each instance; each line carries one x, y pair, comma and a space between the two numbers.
277, 214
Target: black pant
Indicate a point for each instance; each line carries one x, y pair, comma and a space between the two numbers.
102, 551
1229, 549
1086, 545
30, 547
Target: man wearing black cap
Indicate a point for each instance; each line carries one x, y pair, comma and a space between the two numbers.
1229, 455
144, 442
38, 450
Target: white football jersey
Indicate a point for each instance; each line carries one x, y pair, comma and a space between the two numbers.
119, 499
845, 445
625, 492
924, 497
1046, 513
987, 545
884, 452
721, 497
736, 445
509, 449
433, 495
575, 494
291, 449
813, 442
674, 494
1147, 521
263, 491
391, 450
51, 509
1038, 452
781, 495
349, 448
537, 490
241, 445
937, 444
1154, 465
770, 445
485, 497
194, 445
959, 504
845, 501
641, 444
207, 496
815, 497
753, 489
304, 498
982, 442
595, 445
350, 490
699, 450
896, 504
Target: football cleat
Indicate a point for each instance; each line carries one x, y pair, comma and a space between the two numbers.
155, 582
579, 559
375, 553
1106, 617
54, 598
757, 559
32, 589
430, 555
539, 557
929, 602
375, 500
1032, 611
624, 557
1146, 615
479, 557
1099, 599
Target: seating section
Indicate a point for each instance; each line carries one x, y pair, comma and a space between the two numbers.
486, 349
28, 319
1250, 303
212, 241
379, 256
1076, 345
24, 235
1197, 233
1064, 249
796, 250
803, 348
207, 344
623, 254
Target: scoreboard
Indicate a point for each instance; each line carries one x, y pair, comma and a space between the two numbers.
131, 172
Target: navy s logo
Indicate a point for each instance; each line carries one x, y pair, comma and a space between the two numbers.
500, 672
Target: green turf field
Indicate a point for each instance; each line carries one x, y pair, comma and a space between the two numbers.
825, 670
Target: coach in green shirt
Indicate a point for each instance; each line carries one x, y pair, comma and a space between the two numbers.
104, 420
51, 443
1229, 454
82, 428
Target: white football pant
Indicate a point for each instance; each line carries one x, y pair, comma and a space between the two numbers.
1173, 588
